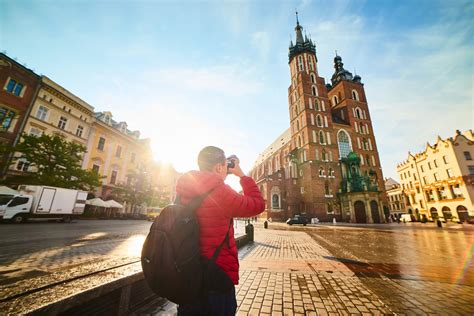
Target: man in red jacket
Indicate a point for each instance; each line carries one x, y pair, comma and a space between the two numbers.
214, 216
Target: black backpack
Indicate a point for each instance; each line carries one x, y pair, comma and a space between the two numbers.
171, 261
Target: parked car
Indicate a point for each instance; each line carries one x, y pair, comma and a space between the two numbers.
297, 219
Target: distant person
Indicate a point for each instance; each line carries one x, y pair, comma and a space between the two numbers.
215, 215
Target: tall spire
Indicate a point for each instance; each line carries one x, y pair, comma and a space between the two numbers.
302, 44
298, 30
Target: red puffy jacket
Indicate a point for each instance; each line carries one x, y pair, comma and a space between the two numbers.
217, 209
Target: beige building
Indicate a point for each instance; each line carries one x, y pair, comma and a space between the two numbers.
116, 153
57, 111
396, 197
439, 182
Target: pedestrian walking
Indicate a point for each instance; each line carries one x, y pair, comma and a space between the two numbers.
215, 216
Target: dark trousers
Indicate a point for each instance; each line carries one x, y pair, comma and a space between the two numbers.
221, 304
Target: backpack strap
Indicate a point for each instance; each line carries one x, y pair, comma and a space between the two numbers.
226, 239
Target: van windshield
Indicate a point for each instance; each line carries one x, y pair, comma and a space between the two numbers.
18, 201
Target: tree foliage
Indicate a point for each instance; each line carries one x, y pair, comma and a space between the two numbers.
52, 161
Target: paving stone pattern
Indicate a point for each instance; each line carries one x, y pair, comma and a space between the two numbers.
287, 274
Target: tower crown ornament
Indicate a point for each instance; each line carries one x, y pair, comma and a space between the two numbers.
303, 44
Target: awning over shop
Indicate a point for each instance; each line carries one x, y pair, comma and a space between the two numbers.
97, 202
114, 204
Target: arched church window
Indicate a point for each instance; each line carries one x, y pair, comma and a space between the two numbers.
327, 191
314, 137
355, 95
312, 119
344, 143
300, 63
314, 91
297, 125
367, 160
335, 100
324, 155
358, 113
331, 172
322, 139
321, 172
299, 141
316, 105
362, 128
319, 121
275, 201
313, 78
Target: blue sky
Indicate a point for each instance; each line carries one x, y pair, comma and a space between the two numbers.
192, 73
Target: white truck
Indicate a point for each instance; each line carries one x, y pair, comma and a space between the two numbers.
44, 202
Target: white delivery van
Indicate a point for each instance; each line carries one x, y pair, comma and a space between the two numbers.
44, 202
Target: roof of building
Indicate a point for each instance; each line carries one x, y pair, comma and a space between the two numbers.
390, 183
116, 125
449, 140
281, 141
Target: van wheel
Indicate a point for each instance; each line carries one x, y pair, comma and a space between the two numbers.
19, 218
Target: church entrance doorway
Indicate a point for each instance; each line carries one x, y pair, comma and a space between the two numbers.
374, 208
359, 209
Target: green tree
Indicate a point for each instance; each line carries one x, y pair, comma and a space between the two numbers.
52, 161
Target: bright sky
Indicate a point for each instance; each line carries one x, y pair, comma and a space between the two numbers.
193, 73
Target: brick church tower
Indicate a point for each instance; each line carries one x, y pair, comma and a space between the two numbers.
326, 165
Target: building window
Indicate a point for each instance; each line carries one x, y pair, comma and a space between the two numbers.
450, 173
319, 121
118, 152
471, 169
327, 191
322, 139
436, 177
355, 95
101, 144
62, 122
358, 113
107, 119
314, 91
113, 177
22, 165
334, 100
300, 63
321, 172
442, 194
14, 87
421, 167
445, 159
344, 143
316, 105
79, 131
313, 78
329, 208
6, 118
467, 155
429, 165
41, 113
96, 168
324, 155
424, 181
35, 132
435, 163
331, 173
456, 191
275, 201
